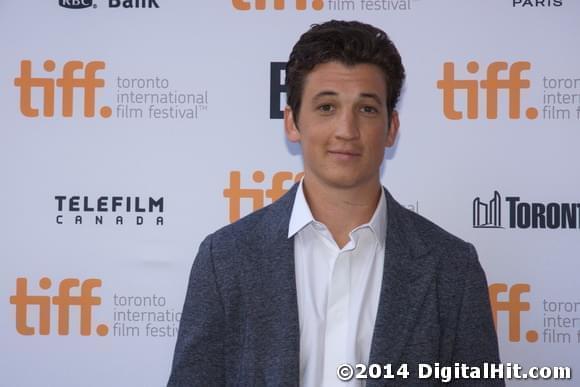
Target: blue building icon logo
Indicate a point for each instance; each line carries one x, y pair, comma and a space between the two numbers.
487, 214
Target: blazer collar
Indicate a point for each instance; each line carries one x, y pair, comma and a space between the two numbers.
407, 276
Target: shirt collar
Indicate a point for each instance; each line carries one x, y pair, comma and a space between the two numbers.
378, 223
302, 216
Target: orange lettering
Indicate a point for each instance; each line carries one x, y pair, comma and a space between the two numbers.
492, 84
514, 306
64, 300
67, 83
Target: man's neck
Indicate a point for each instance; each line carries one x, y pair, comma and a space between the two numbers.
341, 209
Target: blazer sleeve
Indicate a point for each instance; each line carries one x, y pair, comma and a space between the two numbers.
476, 339
199, 352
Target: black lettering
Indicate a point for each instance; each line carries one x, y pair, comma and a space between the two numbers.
276, 89
60, 200
114, 3
59, 219
117, 201
538, 215
99, 219
512, 200
139, 220
137, 207
159, 221
523, 215
78, 219
102, 204
74, 203
86, 204
156, 203
75, 4
119, 220
553, 215
570, 215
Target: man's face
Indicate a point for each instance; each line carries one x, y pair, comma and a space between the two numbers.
343, 125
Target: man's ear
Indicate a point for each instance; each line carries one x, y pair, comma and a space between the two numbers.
290, 127
393, 130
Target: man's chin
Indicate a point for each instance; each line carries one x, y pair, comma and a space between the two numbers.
347, 182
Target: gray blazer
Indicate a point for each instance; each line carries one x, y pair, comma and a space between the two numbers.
240, 318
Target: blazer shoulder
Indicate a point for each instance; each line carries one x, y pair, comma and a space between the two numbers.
435, 238
249, 227
254, 231
433, 232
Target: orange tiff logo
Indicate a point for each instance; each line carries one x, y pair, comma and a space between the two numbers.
235, 193
514, 306
301, 5
67, 84
63, 302
513, 83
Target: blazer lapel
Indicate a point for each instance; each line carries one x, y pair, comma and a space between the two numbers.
406, 277
275, 271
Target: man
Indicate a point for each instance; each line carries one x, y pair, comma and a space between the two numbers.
335, 271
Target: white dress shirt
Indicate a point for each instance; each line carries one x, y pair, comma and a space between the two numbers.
338, 291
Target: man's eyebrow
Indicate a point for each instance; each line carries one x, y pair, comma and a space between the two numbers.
373, 96
331, 93
325, 93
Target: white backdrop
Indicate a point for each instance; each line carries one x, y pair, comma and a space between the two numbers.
73, 233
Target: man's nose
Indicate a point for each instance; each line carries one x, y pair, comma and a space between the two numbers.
347, 125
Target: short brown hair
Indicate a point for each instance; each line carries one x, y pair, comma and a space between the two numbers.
350, 43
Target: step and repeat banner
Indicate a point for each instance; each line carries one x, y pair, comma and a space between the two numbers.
132, 129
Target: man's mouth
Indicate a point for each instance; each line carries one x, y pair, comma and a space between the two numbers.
344, 154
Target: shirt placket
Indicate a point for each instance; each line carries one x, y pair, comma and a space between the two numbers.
336, 333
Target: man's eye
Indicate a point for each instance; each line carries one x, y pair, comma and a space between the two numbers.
326, 108
369, 109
